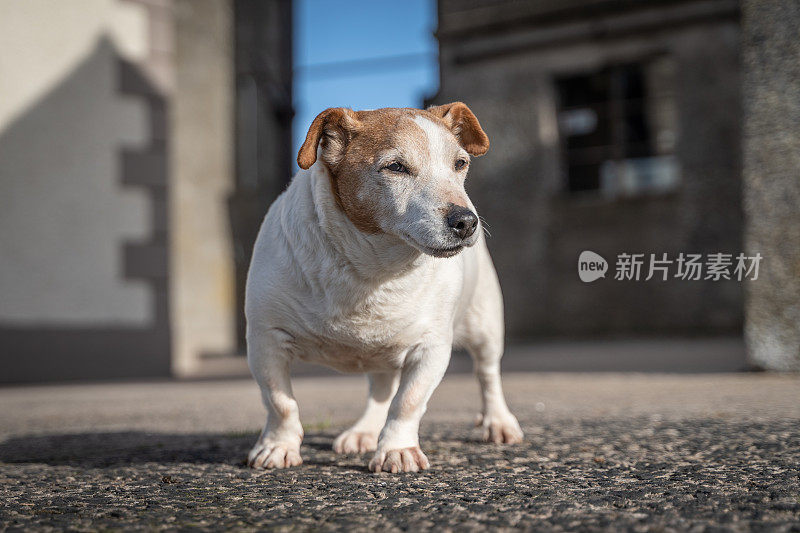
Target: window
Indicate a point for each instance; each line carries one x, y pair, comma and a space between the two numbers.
618, 129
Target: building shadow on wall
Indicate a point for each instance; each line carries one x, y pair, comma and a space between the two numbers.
65, 127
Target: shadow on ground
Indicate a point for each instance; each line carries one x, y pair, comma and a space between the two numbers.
102, 450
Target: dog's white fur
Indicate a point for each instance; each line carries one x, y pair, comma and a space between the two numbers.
321, 290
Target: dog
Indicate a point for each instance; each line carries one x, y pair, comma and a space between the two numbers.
373, 260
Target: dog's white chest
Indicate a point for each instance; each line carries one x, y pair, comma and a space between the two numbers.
369, 332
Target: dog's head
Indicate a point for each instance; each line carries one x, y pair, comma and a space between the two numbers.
402, 171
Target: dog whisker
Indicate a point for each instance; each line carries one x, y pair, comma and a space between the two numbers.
485, 226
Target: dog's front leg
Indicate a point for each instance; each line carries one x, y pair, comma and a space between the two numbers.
398, 444
363, 436
279, 443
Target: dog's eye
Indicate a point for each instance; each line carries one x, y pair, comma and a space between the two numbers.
396, 167
461, 163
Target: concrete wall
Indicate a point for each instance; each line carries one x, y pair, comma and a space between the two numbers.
83, 188
64, 212
203, 302
772, 179
503, 62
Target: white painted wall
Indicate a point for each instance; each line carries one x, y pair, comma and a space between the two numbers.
64, 215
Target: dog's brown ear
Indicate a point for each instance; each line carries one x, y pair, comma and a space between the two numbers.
464, 125
333, 128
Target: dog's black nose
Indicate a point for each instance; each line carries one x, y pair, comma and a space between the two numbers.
462, 221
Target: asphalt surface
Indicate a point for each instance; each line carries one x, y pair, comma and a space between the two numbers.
602, 452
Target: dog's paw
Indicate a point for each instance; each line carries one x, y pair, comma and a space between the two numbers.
402, 460
271, 454
352, 441
500, 428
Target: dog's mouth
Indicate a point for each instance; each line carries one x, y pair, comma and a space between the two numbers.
443, 252
447, 251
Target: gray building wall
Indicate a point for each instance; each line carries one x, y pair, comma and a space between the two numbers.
772, 179
82, 192
202, 298
502, 58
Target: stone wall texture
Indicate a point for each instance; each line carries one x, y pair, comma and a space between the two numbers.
771, 50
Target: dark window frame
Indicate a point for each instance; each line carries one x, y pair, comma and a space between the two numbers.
616, 97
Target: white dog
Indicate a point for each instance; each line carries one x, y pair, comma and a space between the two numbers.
373, 260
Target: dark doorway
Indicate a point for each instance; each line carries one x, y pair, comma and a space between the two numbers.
263, 125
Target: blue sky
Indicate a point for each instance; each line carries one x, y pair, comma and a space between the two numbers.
362, 54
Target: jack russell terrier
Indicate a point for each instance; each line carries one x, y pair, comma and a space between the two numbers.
373, 260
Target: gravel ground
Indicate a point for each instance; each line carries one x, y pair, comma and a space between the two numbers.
603, 451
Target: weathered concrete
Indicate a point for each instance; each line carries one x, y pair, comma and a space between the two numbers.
603, 451
203, 303
772, 179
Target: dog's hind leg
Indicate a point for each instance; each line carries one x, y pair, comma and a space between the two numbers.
279, 443
498, 423
481, 332
363, 436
